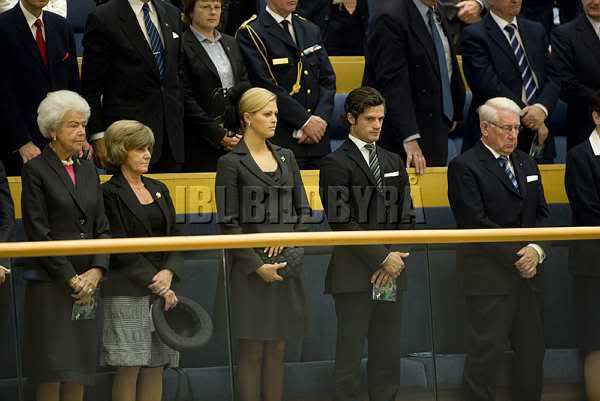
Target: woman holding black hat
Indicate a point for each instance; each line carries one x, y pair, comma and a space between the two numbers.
259, 189
137, 206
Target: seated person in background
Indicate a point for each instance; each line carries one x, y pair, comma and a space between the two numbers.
343, 24
136, 206
62, 200
214, 77
574, 65
582, 183
268, 307
284, 53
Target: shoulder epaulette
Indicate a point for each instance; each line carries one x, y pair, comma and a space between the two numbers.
249, 20
301, 17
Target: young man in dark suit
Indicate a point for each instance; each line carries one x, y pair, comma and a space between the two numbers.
495, 185
38, 56
574, 62
505, 55
284, 53
130, 70
416, 70
365, 187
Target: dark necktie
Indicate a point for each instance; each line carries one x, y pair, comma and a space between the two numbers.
447, 104
503, 161
155, 43
39, 39
285, 24
529, 85
374, 165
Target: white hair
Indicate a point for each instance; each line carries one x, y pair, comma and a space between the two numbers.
53, 108
489, 110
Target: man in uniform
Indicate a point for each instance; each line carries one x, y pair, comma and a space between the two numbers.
284, 54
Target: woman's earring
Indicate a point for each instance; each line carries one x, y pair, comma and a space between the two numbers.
53, 138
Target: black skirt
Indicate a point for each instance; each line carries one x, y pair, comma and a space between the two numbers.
587, 302
57, 348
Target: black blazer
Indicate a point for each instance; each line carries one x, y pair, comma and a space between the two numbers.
401, 63
574, 62
491, 69
28, 79
317, 78
7, 227
482, 196
249, 201
203, 133
120, 78
55, 209
582, 183
131, 273
352, 203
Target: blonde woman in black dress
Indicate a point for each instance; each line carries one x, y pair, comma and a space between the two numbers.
259, 190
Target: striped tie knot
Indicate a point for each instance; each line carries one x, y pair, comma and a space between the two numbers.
374, 165
503, 161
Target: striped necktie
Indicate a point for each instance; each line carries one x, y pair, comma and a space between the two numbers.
155, 43
529, 85
374, 165
503, 161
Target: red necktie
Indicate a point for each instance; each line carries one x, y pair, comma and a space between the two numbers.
41, 43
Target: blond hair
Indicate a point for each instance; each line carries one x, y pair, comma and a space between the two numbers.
123, 136
255, 99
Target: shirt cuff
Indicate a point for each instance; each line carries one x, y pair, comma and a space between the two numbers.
297, 133
540, 252
96, 136
413, 137
544, 109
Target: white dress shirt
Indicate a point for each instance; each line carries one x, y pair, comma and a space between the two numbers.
502, 24
595, 142
538, 249
30, 18
360, 144
56, 6
279, 18
136, 6
595, 25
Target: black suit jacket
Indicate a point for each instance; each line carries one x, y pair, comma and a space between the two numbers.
574, 62
7, 228
482, 196
352, 203
282, 59
582, 183
401, 63
203, 130
131, 273
491, 69
55, 209
120, 77
249, 201
27, 78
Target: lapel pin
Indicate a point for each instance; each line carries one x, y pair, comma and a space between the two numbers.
283, 159
158, 195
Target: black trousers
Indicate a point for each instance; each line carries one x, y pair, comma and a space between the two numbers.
360, 318
493, 323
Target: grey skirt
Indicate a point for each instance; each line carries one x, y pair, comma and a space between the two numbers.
128, 335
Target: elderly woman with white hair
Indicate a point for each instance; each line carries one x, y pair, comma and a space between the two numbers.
62, 200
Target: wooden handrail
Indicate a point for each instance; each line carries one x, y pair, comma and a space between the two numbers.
205, 242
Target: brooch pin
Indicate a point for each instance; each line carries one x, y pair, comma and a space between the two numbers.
158, 195
283, 159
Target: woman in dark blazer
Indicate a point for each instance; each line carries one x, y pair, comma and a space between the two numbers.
582, 183
214, 77
137, 206
259, 189
62, 200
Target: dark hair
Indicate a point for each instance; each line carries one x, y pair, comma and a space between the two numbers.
595, 102
188, 9
359, 100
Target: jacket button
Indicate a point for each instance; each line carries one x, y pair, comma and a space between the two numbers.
309, 110
308, 91
81, 235
82, 221
305, 72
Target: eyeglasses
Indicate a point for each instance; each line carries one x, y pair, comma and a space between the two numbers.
506, 128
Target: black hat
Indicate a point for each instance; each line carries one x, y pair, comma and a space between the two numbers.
183, 327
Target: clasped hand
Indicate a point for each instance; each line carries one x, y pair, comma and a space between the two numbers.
161, 286
392, 267
528, 261
84, 285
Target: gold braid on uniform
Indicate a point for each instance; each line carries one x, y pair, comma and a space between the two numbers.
262, 50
